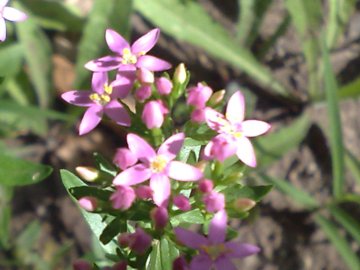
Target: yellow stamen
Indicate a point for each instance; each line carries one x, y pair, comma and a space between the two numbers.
108, 89
214, 251
158, 164
128, 57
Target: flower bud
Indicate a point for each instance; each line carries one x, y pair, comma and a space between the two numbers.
89, 174
198, 116
81, 264
244, 204
119, 266
124, 158
180, 264
180, 74
143, 93
163, 85
144, 192
140, 241
199, 95
153, 115
219, 148
160, 217
214, 201
124, 240
145, 76
201, 165
182, 202
217, 97
123, 197
88, 203
206, 185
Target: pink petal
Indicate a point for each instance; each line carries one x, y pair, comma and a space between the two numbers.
224, 263
152, 63
183, 172
115, 41
98, 81
245, 152
235, 110
217, 228
152, 115
78, 98
214, 119
160, 185
171, 147
253, 128
14, 15
117, 113
146, 42
104, 64
140, 147
2, 29
241, 250
121, 88
133, 175
202, 262
221, 147
91, 119
3, 3
190, 239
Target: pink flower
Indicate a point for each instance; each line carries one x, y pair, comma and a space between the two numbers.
129, 58
88, 203
81, 264
214, 252
233, 132
158, 167
143, 93
102, 99
182, 202
214, 201
139, 241
124, 158
206, 185
10, 14
123, 197
153, 114
163, 85
199, 95
160, 217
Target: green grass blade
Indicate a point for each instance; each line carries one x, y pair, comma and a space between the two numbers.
350, 90
187, 21
336, 142
92, 44
37, 50
347, 221
296, 194
349, 257
353, 164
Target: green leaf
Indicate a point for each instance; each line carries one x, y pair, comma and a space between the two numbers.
296, 194
25, 241
101, 194
11, 58
95, 221
255, 193
104, 14
275, 145
190, 146
6, 194
105, 165
162, 255
336, 142
113, 229
343, 247
350, 90
192, 217
18, 172
347, 221
37, 52
353, 164
187, 21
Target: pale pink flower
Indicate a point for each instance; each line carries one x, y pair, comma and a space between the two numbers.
102, 99
214, 252
199, 95
214, 201
163, 85
129, 58
143, 93
10, 14
123, 197
124, 158
233, 132
153, 114
158, 167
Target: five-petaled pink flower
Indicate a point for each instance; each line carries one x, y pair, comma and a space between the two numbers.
102, 99
157, 167
129, 58
11, 14
233, 132
214, 252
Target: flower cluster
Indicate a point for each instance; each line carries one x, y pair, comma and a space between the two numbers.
190, 170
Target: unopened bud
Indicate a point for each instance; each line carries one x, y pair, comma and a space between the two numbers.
81, 264
214, 201
124, 158
145, 76
123, 197
89, 174
144, 192
244, 204
124, 240
163, 85
206, 185
180, 74
160, 217
182, 202
143, 93
88, 203
119, 266
140, 241
216, 98
180, 264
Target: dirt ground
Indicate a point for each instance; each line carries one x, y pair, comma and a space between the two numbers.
288, 236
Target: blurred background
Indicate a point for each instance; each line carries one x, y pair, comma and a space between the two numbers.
297, 63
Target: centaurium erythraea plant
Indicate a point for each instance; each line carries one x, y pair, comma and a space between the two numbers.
160, 151
10, 14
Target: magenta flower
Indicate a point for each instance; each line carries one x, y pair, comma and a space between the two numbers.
158, 167
10, 14
214, 252
129, 58
102, 99
233, 132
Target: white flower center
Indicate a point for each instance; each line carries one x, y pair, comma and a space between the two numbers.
158, 164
